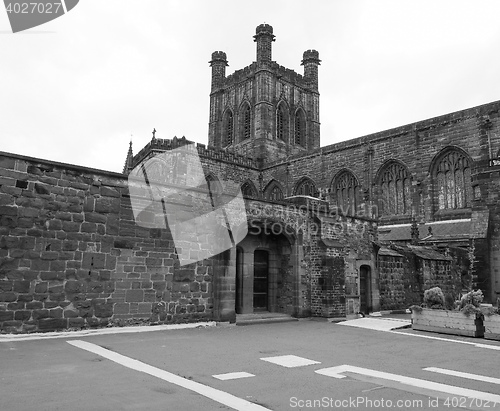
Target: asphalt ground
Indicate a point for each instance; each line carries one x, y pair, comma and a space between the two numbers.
52, 374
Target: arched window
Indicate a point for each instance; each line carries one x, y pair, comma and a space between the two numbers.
282, 122
273, 192
215, 190
300, 128
395, 193
248, 190
345, 188
228, 128
306, 187
453, 180
245, 121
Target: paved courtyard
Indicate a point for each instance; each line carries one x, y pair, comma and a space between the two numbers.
295, 365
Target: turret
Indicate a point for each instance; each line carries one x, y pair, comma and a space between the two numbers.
311, 61
264, 38
218, 64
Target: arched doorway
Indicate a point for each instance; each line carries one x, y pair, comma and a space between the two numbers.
261, 280
365, 304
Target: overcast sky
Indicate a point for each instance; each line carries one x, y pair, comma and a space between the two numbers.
78, 88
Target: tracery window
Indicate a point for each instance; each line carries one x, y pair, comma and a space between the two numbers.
300, 128
453, 180
395, 193
228, 128
273, 192
281, 122
248, 190
345, 188
245, 130
306, 187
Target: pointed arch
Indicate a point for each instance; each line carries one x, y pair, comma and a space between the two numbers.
249, 190
451, 177
274, 191
282, 121
300, 128
394, 187
345, 188
215, 188
228, 128
306, 187
245, 121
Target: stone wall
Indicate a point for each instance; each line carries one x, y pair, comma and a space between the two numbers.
71, 254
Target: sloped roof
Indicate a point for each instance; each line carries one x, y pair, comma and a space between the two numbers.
428, 253
448, 230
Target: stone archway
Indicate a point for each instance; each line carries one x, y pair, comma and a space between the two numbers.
266, 272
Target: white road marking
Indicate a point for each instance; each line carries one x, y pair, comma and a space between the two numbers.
290, 361
209, 392
467, 375
413, 384
102, 331
386, 324
478, 345
233, 375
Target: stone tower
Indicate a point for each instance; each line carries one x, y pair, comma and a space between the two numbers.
264, 110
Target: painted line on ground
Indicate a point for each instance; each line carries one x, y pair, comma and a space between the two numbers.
290, 361
209, 392
233, 375
478, 345
467, 375
102, 331
410, 384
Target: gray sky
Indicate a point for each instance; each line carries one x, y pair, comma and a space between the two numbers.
75, 89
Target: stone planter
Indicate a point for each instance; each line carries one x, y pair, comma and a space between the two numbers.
447, 322
492, 327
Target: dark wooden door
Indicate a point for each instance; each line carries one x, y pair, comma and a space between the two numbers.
260, 280
364, 289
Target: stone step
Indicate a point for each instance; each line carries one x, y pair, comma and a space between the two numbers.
263, 318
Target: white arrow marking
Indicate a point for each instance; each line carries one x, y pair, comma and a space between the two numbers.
212, 393
414, 384
464, 375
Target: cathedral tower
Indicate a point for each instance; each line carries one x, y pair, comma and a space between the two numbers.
264, 110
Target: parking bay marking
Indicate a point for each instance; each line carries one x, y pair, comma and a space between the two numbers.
233, 375
410, 384
290, 361
467, 375
209, 392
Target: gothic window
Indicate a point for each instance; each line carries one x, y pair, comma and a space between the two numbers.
249, 190
281, 122
306, 187
246, 122
300, 128
345, 188
453, 180
228, 128
273, 192
215, 189
395, 183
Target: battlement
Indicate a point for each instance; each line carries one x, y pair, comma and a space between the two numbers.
249, 71
157, 145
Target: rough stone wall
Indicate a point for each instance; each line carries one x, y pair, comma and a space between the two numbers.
392, 292
71, 254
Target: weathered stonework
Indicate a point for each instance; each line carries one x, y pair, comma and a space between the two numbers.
360, 225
